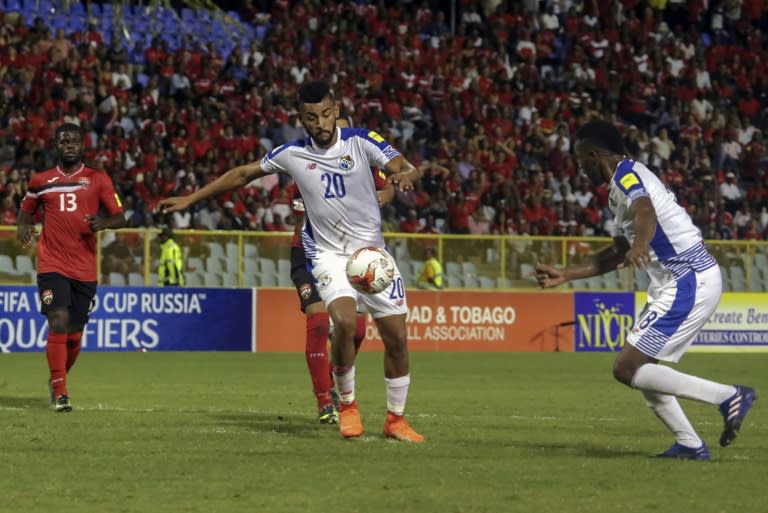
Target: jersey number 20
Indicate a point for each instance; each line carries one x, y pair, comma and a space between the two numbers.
334, 185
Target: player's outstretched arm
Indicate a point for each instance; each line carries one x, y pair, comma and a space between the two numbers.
402, 173
601, 262
25, 228
233, 179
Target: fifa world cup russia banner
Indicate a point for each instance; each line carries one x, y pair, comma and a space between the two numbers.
441, 321
136, 318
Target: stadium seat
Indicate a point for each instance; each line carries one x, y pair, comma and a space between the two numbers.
251, 266
250, 250
6, 264
468, 268
194, 280
267, 266
195, 264
217, 250
250, 280
116, 279
212, 279
135, 280
737, 279
268, 279
229, 280
485, 282
503, 283
526, 271
284, 280
612, 281
284, 267
24, 264
452, 270
470, 281
214, 264
756, 282
642, 280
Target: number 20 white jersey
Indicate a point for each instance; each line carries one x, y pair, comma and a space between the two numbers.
341, 206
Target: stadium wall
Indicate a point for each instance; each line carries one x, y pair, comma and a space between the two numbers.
269, 320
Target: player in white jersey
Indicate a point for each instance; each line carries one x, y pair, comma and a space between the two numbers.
654, 233
332, 168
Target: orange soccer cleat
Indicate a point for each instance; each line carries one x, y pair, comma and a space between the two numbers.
350, 425
398, 428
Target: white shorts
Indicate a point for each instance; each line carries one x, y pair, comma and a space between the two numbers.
330, 272
675, 313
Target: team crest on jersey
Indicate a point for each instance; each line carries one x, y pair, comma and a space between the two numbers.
84, 182
47, 296
305, 291
346, 162
324, 280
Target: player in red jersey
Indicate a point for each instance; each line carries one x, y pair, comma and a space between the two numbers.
71, 195
318, 321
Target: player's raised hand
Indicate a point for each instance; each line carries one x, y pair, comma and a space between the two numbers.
173, 204
25, 233
401, 181
638, 257
549, 276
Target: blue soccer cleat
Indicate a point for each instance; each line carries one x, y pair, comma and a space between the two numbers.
734, 409
681, 452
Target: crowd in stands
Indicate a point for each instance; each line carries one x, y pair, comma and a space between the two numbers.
490, 99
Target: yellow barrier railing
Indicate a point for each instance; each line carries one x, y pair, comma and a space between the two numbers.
262, 259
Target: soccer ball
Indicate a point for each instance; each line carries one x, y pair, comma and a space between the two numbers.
370, 270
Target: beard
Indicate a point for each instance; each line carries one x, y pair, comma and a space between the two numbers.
324, 138
71, 160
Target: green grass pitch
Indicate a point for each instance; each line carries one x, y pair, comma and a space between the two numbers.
226, 432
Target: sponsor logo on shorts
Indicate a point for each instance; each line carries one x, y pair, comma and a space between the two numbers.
346, 162
47, 296
305, 291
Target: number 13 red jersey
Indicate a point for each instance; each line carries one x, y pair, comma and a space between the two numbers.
67, 244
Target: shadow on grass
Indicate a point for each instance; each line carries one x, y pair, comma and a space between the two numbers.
294, 425
22, 403
575, 449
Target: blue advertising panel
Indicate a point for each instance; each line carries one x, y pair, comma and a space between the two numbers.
603, 320
136, 318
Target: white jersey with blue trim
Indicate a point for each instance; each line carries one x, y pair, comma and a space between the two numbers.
341, 206
677, 247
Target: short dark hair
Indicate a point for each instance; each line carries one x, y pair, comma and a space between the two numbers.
68, 127
601, 136
314, 92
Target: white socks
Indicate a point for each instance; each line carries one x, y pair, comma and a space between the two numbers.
665, 380
671, 414
397, 393
345, 383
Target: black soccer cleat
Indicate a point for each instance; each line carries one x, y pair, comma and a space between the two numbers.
62, 404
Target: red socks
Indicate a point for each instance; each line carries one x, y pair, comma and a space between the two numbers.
73, 348
316, 353
56, 351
